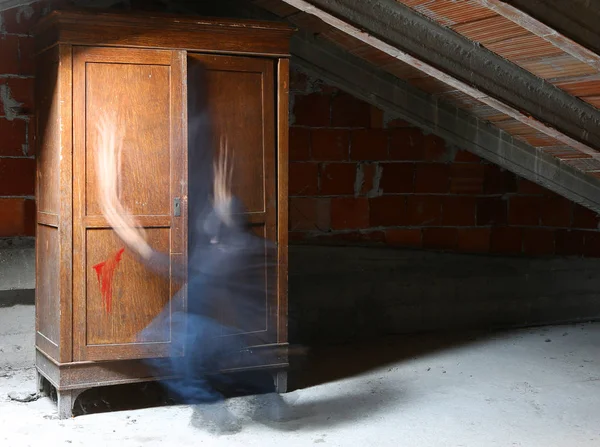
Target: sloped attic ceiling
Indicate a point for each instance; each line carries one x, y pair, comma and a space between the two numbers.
528, 96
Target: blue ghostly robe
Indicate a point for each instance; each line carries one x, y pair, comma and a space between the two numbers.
228, 273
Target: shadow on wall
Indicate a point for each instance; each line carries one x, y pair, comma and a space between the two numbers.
343, 294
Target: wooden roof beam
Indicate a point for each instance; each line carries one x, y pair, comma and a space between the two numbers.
544, 31
403, 34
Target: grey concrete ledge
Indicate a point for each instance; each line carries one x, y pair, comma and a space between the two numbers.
9, 298
17, 267
17, 242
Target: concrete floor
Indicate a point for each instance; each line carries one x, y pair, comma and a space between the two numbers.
534, 387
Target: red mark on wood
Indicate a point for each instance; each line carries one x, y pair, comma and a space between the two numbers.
104, 272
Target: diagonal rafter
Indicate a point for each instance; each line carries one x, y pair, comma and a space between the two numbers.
576, 19
403, 34
544, 31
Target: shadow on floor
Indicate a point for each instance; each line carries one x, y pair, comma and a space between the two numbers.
322, 364
326, 364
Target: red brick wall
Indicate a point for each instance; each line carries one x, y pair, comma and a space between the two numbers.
17, 161
356, 176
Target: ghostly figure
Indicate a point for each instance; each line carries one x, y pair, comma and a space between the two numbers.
226, 263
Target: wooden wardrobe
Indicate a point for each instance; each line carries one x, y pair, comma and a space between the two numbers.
93, 298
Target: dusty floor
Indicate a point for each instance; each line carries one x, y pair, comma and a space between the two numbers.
535, 387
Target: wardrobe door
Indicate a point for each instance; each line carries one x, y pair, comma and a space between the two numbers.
116, 297
241, 96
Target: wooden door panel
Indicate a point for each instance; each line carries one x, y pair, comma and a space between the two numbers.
123, 297
242, 127
48, 290
255, 285
142, 99
115, 296
241, 92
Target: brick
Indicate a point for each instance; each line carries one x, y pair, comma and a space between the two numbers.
459, 211
551, 194
327, 89
406, 144
398, 124
304, 179
434, 148
424, 210
463, 156
569, 242
347, 111
467, 178
556, 212
431, 178
360, 237
329, 144
312, 110
376, 118
19, 20
21, 90
591, 244
349, 213
296, 236
9, 55
299, 144
18, 176
527, 187
387, 211
309, 214
538, 241
498, 181
26, 56
397, 178
369, 171
30, 213
404, 237
506, 240
523, 210
474, 240
298, 81
584, 217
13, 136
31, 136
338, 178
440, 238
372, 236
17, 217
369, 144
492, 211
